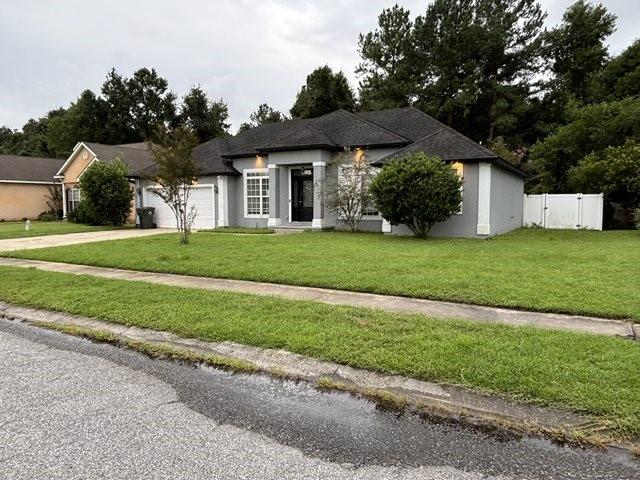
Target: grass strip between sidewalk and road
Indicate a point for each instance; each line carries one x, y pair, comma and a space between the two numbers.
575, 272
585, 373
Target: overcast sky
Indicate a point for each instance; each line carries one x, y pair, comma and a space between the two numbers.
244, 51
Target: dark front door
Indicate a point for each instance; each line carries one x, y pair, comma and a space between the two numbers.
302, 195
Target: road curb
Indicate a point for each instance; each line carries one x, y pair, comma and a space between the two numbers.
444, 401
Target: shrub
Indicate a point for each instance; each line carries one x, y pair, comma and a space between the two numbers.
47, 217
84, 213
417, 191
106, 190
615, 172
636, 217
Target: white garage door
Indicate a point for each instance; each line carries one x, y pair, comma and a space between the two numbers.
201, 197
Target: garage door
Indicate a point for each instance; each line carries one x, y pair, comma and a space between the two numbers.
201, 197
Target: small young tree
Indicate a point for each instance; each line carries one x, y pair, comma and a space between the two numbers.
105, 188
347, 193
175, 172
417, 191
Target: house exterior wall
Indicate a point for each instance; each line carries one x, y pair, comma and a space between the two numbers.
367, 224
22, 200
77, 166
507, 193
236, 193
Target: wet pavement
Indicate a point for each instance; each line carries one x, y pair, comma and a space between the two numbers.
70, 408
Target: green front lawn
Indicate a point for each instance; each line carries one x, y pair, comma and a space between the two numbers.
239, 230
593, 273
16, 229
586, 373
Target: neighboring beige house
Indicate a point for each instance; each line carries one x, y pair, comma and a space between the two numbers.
24, 185
137, 156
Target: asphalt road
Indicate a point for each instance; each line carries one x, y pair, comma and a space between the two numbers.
72, 409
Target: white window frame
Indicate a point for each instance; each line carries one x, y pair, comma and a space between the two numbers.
264, 176
71, 200
374, 172
459, 169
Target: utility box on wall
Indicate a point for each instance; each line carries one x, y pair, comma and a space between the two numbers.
569, 211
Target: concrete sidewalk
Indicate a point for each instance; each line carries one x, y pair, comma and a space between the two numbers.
387, 303
28, 243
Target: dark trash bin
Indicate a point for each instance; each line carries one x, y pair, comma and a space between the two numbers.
145, 214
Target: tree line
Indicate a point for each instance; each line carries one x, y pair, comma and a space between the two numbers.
552, 101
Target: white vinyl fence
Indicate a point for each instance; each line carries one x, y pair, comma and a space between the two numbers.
571, 211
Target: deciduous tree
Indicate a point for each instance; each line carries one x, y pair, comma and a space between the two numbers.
263, 115
323, 92
207, 119
175, 172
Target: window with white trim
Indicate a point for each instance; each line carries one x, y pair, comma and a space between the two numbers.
73, 198
459, 168
256, 193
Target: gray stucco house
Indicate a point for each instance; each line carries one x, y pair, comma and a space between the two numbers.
269, 175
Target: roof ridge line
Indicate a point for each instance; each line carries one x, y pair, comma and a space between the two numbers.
117, 146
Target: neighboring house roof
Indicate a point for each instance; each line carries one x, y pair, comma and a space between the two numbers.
135, 158
139, 160
16, 168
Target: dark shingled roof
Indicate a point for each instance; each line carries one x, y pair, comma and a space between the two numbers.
332, 131
408, 129
135, 158
29, 169
209, 157
447, 145
139, 160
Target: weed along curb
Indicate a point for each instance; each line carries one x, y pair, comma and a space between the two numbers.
389, 391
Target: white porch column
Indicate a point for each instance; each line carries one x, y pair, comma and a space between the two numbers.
223, 201
484, 199
319, 174
275, 219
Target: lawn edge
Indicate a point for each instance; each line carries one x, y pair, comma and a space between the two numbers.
15, 254
589, 431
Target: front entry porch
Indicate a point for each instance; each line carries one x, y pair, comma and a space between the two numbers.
295, 196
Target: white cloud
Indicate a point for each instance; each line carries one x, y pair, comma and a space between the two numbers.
246, 52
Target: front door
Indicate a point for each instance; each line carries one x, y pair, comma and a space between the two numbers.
302, 195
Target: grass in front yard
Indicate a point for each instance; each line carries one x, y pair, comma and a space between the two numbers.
16, 229
586, 373
582, 272
241, 230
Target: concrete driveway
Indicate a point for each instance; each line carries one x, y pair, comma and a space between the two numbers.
28, 243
